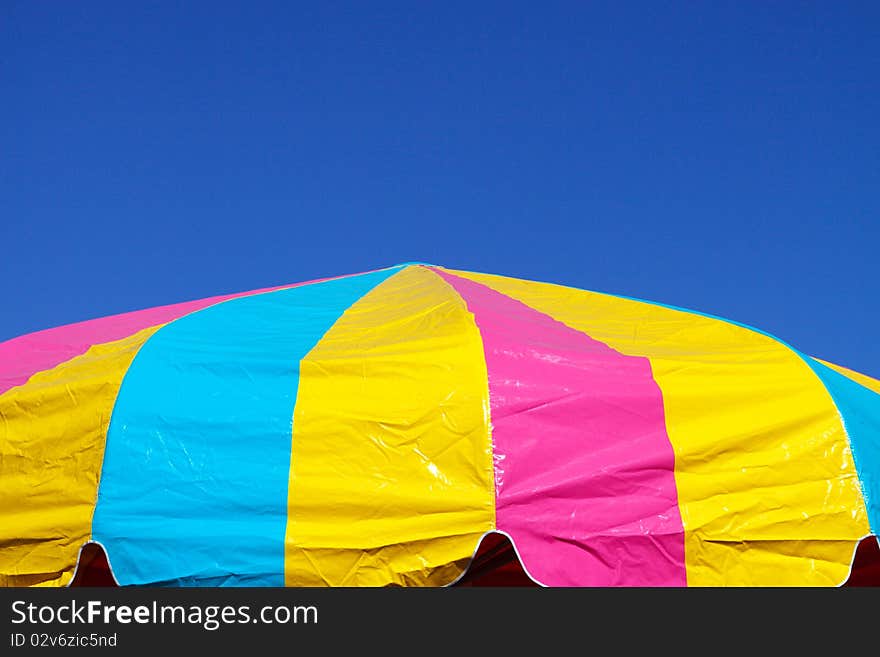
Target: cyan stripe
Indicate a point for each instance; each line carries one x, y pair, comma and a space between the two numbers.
860, 412
194, 484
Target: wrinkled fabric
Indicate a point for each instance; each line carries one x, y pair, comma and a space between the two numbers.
578, 428
767, 487
370, 430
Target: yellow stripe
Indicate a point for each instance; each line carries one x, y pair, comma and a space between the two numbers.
858, 377
391, 478
767, 486
52, 432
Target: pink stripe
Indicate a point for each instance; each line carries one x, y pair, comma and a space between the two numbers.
24, 356
584, 470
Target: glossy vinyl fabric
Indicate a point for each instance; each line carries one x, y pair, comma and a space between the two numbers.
369, 430
767, 487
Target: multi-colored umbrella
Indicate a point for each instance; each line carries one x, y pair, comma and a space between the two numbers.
372, 429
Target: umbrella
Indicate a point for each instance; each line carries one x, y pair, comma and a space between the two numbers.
373, 429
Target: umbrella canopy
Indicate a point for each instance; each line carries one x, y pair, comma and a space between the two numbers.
371, 429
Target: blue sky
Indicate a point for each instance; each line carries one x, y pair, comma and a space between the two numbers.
719, 156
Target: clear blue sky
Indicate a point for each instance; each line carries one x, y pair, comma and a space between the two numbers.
721, 156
